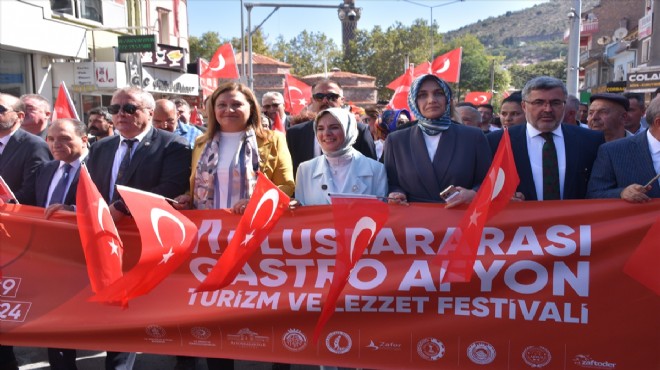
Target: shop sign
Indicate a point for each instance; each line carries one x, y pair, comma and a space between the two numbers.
136, 44
166, 56
94, 74
641, 80
169, 82
645, 26
616, 87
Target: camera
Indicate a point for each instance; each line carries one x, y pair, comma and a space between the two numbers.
352, 15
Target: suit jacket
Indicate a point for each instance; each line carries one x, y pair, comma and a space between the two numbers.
300, 138
36, 191
20, 159
462, 159
621, 163
275, 161
365, 176
160, 164
581, 148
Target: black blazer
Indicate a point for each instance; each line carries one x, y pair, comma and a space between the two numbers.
300, 139
160, 164
20, 159
581, 148
36, 191
462, 159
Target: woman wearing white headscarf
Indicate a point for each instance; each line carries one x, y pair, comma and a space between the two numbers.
341, 169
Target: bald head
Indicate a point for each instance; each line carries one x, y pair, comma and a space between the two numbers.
165, 115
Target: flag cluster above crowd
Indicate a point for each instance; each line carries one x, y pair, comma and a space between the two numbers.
147, 160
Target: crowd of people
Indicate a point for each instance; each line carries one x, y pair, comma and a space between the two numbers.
563, 149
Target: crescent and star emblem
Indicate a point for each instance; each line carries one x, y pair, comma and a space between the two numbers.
498, 184
445, 66
103, 206
293, 88
270, 195
365, 223
156, 215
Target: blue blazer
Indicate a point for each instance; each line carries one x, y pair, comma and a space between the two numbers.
462, 159
581, 147
21, 157
36, 191
621, 163
160, 164
314, 180
300, 139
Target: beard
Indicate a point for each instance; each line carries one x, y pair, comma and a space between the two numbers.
8, 124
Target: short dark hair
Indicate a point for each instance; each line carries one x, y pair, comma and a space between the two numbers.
515, 97
486, 106
101, 111
543, 83
636, 96
465, 104
78, 127
326, 81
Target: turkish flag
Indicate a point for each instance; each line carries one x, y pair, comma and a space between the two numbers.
357, 221
278, 125
643, 263
262, 213
400, 98
194, 117
207, 84
448, 66
297, 95
458, 256
223, 64
422, 69
64, 107
100, 240
6, 195
167, 237
478, 97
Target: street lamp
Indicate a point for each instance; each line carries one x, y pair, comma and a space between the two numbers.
431, 23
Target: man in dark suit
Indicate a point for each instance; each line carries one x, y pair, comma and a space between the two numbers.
141, 157
542, 145
21, 154
301, 138
624, 167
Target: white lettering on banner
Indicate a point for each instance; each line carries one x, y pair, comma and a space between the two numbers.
545, 271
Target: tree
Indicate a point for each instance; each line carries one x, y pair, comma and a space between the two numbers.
308, 53
259, 44
205, 46
521, 74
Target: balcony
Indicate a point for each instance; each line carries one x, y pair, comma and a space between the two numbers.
588, 27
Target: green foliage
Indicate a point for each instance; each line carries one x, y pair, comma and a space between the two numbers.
259, 44
521, 74
205, 46
307, 52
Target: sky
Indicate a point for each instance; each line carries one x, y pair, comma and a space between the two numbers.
224, 16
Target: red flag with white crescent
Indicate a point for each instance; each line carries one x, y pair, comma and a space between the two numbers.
422, 69
357, 222
478, 97
223, 64
457, 257
262, 213
64, 107
297, 95
167, 237
448, 66
100, 240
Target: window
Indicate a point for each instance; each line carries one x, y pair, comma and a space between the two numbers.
164, 26
85, 9
13, 73
646, 50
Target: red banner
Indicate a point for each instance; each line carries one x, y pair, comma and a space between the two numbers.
548, 291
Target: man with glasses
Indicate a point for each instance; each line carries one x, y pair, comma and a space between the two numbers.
272, 104
21, 153
542, 145
301, 138
165, 118
37, 113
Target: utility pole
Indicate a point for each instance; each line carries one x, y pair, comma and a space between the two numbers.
573, 62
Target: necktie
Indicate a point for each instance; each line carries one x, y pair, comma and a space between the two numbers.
550, 168
125, 161
58, 193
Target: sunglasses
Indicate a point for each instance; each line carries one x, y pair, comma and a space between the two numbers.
127, 108
4, 109
330, 96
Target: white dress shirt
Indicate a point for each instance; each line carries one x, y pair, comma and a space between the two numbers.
535, 152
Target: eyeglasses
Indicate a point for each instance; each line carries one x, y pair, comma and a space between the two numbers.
4, 109
542, 103
274, 105
330, 96
127, 108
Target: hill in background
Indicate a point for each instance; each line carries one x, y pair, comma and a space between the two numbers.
526, 36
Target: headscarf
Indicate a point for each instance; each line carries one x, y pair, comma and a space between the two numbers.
348, 123
389, 119
430, 126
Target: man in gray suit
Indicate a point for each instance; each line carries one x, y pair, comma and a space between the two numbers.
624, 167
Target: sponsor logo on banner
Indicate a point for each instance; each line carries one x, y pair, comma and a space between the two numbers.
157, 334
338, 342
202, 336
294, 340
587, 362
245, 338
481, 353
430, 349
536, 356
377, 345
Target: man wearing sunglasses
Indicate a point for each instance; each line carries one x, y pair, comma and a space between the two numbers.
272, 104
21, 153
301, 138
